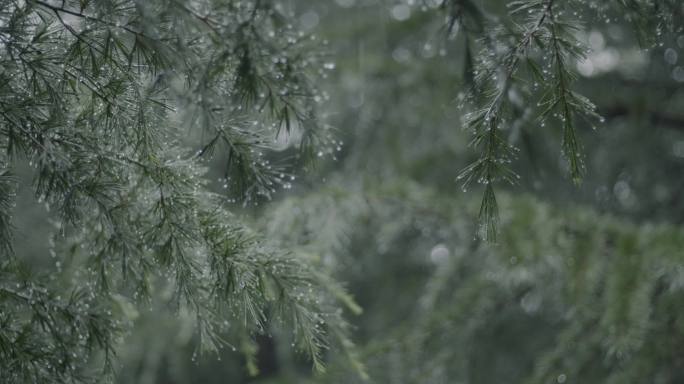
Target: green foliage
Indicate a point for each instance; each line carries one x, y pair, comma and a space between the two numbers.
568, 294
499, 89
540, 36
565, 294
44, 335
100, 99
142, 141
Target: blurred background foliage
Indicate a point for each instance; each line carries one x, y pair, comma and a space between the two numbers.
585, 283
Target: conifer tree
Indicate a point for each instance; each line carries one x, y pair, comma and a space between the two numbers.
150, 131
568, 294
99, 98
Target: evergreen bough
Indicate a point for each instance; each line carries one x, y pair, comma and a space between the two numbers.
99, 98
567, 295
526, 58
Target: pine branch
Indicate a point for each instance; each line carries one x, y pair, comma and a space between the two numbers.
494, 82
98, 96
498, 77
48, 347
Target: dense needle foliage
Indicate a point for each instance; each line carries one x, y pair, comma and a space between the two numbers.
170, 185
97, 97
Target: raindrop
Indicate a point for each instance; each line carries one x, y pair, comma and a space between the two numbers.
401, 12
671, 56
439, 254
